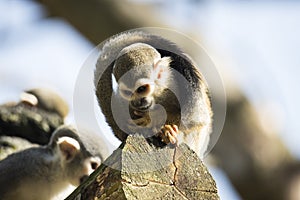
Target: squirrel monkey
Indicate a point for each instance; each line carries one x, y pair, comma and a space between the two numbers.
162, 87
45, 171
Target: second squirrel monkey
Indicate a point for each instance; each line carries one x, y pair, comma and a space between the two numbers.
44, 172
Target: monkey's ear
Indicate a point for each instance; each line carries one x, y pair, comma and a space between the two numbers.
162, 68
29, 99
68, 147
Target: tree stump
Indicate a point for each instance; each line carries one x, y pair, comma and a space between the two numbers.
138, 169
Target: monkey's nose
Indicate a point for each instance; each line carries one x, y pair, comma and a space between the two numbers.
141, 104
143, 101
94, 163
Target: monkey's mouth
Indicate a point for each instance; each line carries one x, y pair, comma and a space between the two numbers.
139, 113
142, 110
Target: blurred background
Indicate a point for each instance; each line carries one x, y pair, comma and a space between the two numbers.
254, 44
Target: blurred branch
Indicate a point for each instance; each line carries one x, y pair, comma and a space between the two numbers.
256, 161
100, 19
30, 123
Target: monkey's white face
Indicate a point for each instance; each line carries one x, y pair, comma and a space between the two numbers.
142, 92
140, 97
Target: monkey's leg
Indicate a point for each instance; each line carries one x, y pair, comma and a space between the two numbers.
169, 134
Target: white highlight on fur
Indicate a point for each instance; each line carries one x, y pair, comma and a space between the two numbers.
29, 98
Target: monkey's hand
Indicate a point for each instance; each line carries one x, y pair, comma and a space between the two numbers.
149, 119
143, 121
168, 134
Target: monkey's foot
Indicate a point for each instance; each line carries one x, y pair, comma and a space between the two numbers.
168, 134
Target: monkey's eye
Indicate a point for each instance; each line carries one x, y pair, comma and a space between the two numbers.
142, 89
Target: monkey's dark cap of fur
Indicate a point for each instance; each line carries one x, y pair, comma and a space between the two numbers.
139, 55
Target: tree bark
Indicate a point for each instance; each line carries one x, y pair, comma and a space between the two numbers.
138, 169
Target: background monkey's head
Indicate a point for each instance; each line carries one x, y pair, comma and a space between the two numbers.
142, 75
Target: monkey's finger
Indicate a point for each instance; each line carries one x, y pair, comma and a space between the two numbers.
171, 130
172, 133
175, 128
171, 138
168, 127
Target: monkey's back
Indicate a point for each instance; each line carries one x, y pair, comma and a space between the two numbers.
22, 170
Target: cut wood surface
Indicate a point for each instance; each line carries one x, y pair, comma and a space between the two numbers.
141, 170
